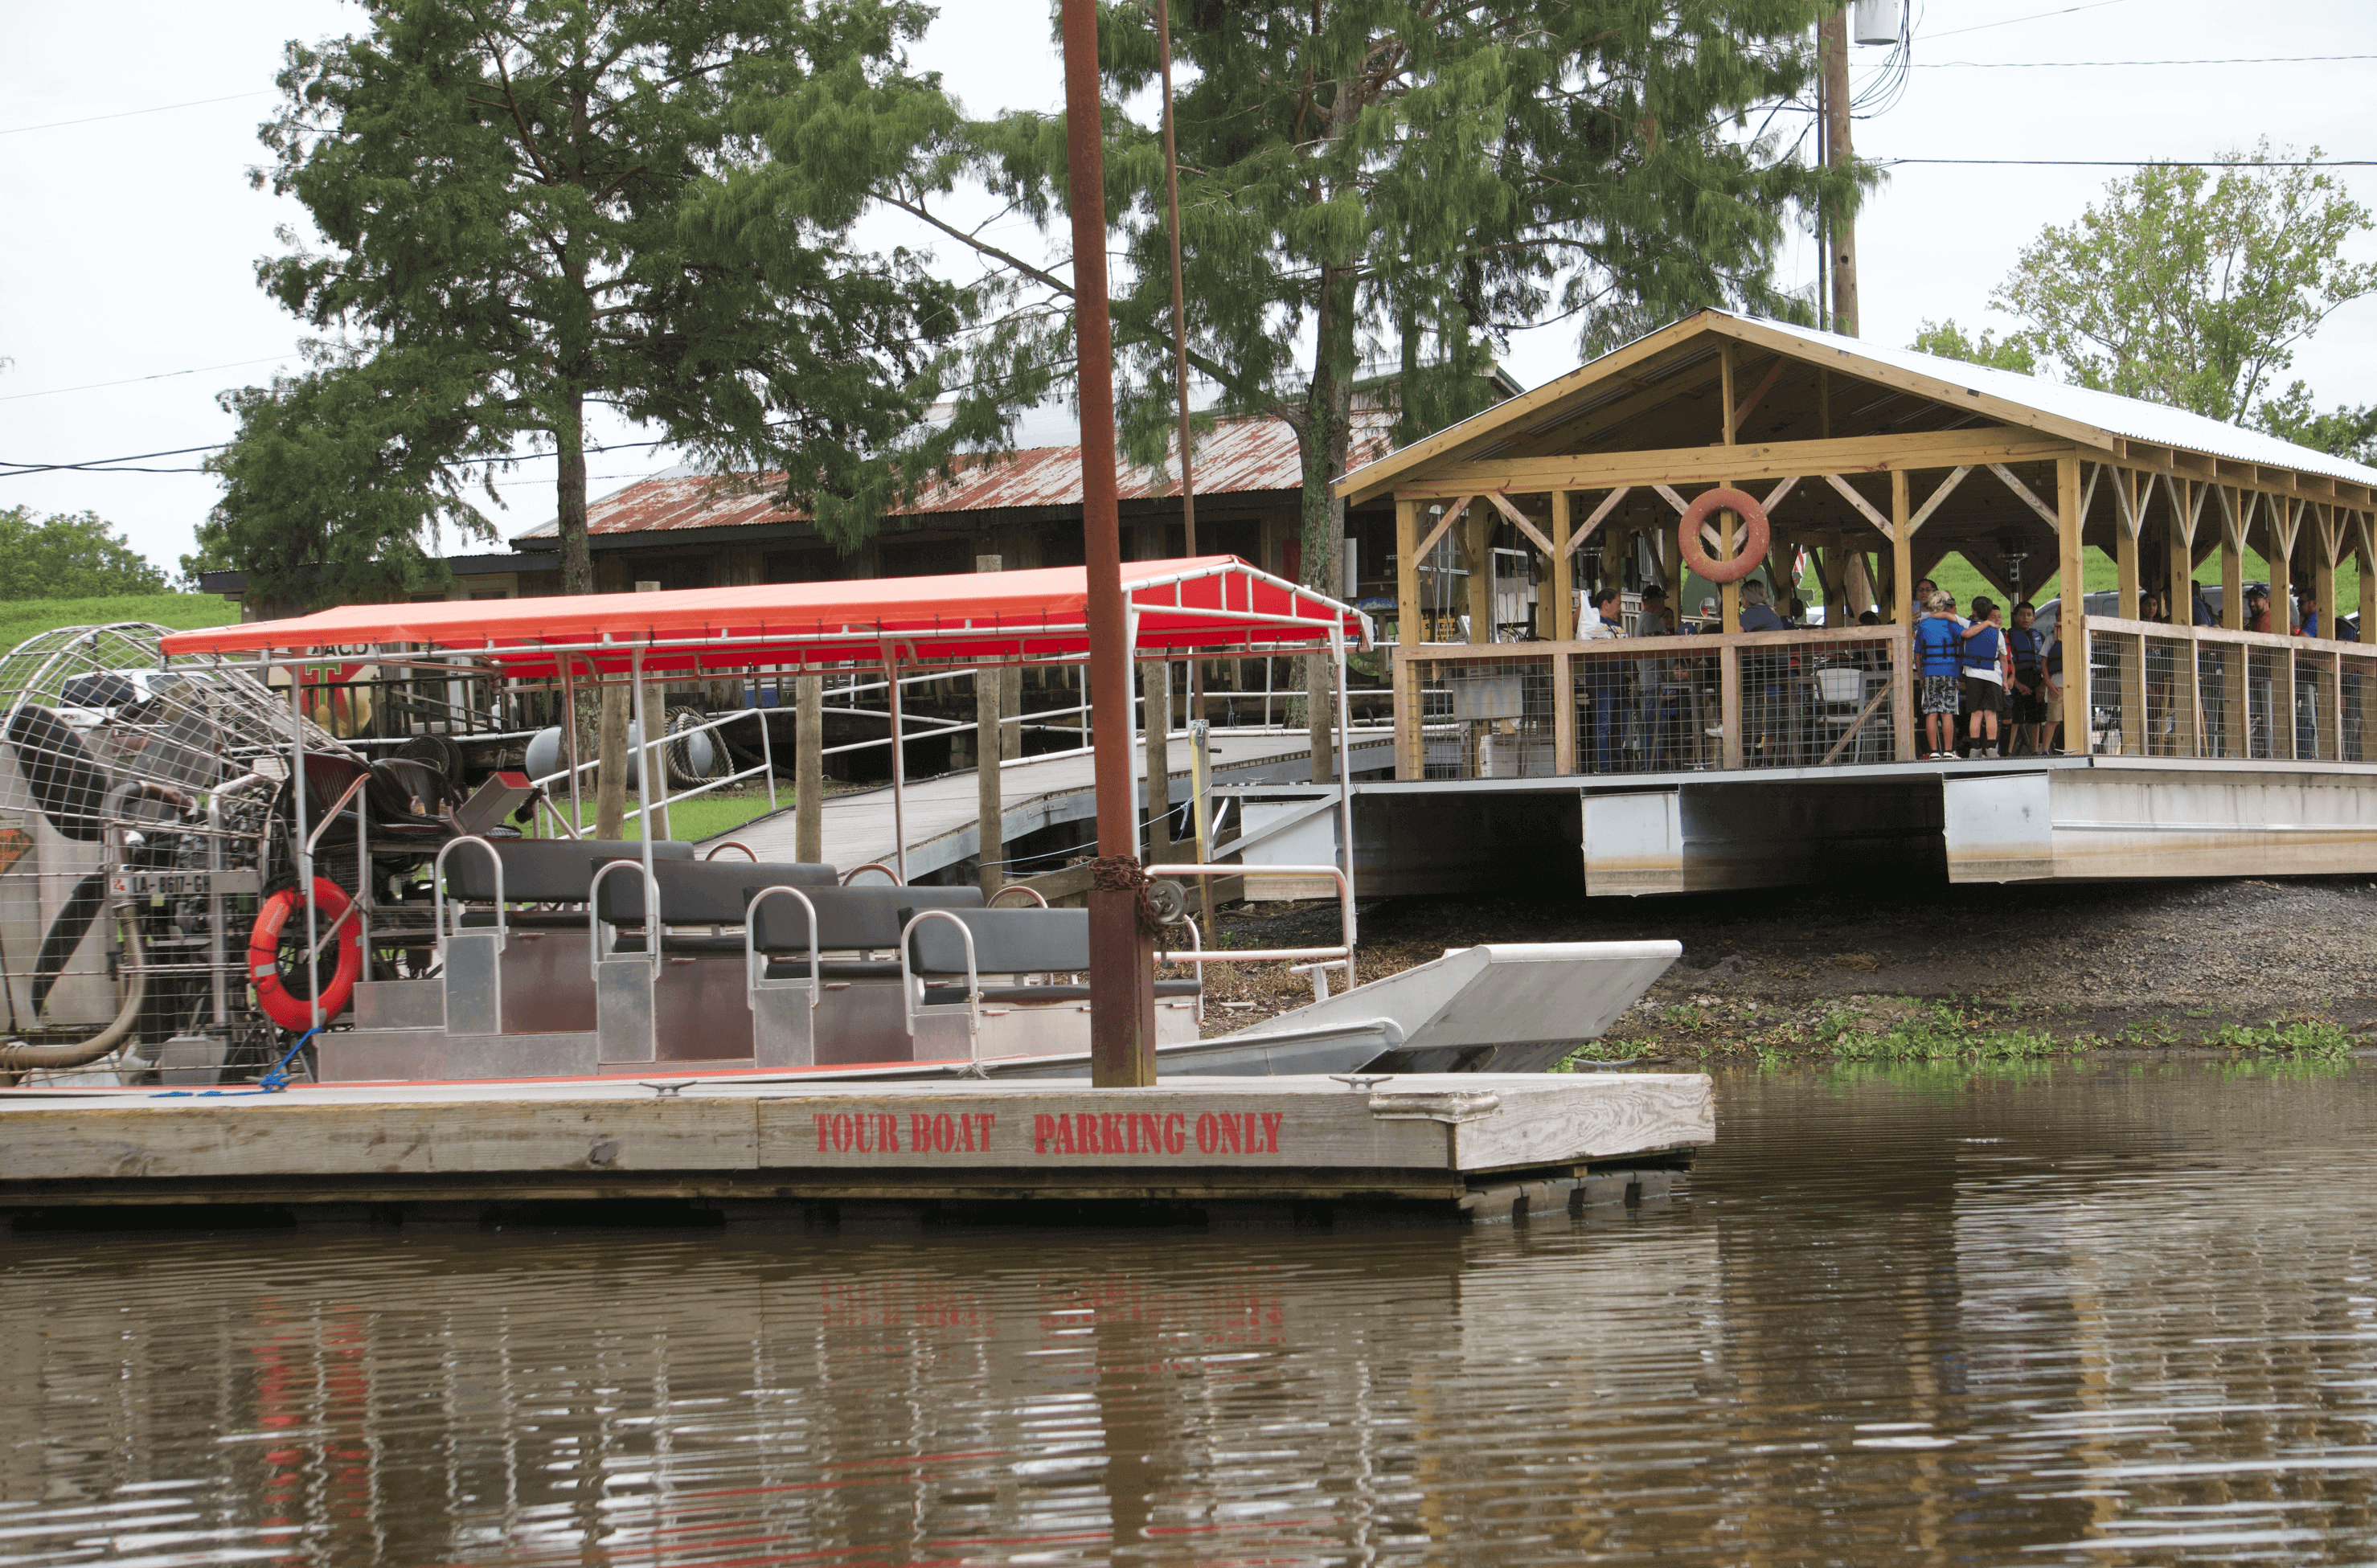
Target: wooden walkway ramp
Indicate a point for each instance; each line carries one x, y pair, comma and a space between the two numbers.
1037, 793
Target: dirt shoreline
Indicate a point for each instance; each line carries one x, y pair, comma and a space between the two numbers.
2269, 968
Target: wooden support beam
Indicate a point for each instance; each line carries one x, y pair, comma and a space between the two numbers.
1947, 488
1672, 499
2024, 492
1563, 570
1699, 465
1733, 424
1861, 504
1609, 505
2235, 518
2072, 621
1902, 548
1481, 574
1520, 520
1727, 522
1407, 604
1451, 516
2125, 540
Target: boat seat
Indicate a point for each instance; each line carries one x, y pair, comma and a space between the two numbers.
548, 871
706, 891
1006, 941
864, 919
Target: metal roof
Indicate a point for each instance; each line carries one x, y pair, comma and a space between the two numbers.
2050, 403
1238, 457
2132, 419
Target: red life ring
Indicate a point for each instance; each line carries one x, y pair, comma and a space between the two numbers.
1754, 544
284, 1006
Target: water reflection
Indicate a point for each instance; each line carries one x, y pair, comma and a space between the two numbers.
2076, 1315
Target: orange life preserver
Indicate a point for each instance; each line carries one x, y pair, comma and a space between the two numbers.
1754, 544
284, 1006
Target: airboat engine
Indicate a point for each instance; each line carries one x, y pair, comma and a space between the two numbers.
141, 819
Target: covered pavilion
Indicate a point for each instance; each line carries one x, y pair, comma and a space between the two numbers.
1877, 463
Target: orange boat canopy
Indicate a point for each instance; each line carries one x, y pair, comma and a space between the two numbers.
1211, 606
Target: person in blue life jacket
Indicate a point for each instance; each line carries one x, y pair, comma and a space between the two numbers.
1939, 665
1984, 660
2026, 698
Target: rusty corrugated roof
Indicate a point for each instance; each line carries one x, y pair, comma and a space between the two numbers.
1237, 456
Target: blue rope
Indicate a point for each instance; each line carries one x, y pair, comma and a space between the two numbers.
273, 1081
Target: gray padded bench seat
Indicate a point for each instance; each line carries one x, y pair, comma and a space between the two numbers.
546, 870
708, 892
1006, 941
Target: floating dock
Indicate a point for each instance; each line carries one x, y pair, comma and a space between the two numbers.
1448, 1147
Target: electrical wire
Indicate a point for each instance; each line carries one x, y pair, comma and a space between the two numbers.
2103, 65
127, 113
135, 380
2139, 162
2034, 17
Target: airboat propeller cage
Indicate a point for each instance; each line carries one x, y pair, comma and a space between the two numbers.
123, 781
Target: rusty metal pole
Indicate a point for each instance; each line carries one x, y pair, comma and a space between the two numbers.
1122, 959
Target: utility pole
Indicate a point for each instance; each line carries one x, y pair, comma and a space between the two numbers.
1839, 152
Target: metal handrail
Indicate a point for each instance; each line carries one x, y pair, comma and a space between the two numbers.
1031, 893
438, 889
873, 865
731, 844
1195, 961
909, 993
596, 925
754, 965
1238, 956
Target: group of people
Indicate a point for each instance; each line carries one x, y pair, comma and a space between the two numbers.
1983, 674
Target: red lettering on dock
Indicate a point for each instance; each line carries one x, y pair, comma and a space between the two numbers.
1271, 1120
1172, 1140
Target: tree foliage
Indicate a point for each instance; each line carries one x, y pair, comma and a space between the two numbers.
2191, 287
1947, 340
69, 555
1367, 181
526, 210
1418, 179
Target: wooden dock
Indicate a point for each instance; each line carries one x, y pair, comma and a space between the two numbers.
1456, 1146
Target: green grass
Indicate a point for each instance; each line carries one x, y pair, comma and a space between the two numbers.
704, 816
1942, 1032
23, 618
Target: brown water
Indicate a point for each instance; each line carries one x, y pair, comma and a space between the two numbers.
2091, 1315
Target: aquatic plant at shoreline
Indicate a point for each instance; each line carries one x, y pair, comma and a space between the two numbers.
1943, 1032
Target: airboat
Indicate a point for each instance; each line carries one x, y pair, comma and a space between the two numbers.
207, 878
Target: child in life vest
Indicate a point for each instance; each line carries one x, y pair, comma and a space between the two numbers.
1984, 655
1939, 664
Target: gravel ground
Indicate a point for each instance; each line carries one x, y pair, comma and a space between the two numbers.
2156, 963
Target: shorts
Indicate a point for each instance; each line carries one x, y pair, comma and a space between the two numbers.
2055, 707
1940, 693
2021, 709
1983, 696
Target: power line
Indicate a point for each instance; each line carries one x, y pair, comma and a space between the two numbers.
133, 380
2140, 162
2100, 65
2034, 17
127, 113
94, 465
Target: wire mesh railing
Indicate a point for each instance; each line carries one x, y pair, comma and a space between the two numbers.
1655, 705
2199, 691
1819, 703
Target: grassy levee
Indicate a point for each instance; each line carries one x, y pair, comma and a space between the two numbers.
24, 618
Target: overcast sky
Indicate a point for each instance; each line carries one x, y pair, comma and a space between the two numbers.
127, 293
